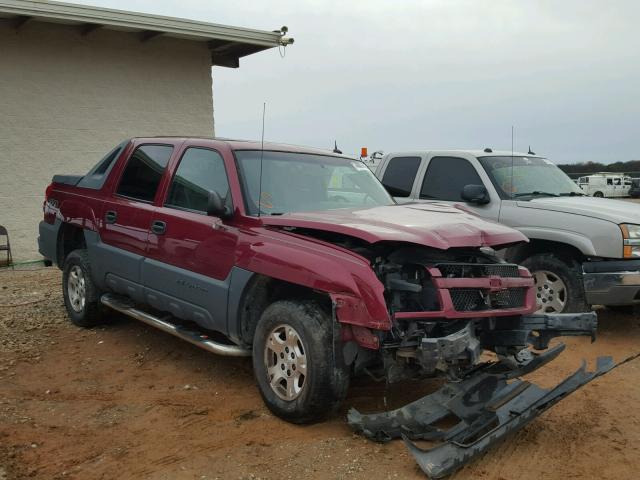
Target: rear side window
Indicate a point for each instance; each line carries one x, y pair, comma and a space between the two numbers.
399, 175
143, 172
199, 172
98, 175
446, 177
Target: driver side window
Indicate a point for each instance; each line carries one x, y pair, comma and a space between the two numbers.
446, 177
199, 172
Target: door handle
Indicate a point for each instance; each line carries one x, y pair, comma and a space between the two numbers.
158, 227
110, 216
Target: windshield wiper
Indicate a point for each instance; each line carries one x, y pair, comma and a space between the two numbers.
573, 194
536, 194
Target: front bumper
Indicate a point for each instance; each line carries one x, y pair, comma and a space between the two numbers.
615, 282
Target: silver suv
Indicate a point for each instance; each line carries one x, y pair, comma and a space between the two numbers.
583, 251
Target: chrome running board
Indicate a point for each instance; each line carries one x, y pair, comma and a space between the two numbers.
123, 305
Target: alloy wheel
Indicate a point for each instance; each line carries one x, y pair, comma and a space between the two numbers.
76, 288
286, 362
551, 292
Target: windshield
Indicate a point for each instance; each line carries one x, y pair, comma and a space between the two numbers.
298, 182
530, 177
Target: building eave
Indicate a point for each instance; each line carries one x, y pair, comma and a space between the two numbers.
227, 43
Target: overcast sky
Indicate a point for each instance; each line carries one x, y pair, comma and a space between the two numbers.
399, 75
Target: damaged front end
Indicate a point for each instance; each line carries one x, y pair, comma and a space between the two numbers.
447, 311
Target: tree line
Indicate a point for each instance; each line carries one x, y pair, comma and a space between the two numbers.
587, 168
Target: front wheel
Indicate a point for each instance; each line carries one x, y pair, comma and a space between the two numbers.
598, 195
299, 377
558, 284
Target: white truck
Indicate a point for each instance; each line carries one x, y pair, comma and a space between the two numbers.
609, 185
583, 251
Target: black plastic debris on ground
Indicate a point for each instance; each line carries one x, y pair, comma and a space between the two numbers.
485, 408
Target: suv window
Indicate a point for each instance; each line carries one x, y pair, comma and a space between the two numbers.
399, 175
143, 172
446, 177
200, 171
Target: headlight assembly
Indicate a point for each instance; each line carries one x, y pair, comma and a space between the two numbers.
630, 240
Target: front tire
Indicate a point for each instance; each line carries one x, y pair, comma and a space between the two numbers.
299, 377
598, 195
81, 296
558, 284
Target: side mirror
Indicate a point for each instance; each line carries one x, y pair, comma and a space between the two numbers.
475, 194
216, 206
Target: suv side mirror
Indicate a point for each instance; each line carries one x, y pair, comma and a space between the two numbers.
216, 206
475, 194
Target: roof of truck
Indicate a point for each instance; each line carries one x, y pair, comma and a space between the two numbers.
474, 153
237, 144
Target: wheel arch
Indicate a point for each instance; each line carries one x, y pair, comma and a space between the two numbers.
70, 237
259, 291
563, 250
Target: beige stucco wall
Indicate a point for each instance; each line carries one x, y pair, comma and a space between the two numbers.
66, 99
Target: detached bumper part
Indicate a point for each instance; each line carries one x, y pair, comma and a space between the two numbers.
538, 330
487, 408
490, 402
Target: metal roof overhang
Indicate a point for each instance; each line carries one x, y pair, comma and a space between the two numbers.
226, 43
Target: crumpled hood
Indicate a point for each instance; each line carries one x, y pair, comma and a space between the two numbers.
616, 211
435, 225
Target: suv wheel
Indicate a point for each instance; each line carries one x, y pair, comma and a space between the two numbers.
558, 284
299, 378
81, 297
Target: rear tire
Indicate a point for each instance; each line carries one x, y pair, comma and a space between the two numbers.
299, 377
559, 287
81, 296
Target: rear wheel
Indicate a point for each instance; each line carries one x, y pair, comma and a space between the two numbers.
558, 284
81, 296
299, 377
598, 195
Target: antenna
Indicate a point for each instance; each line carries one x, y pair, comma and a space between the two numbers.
511, 186
264, 109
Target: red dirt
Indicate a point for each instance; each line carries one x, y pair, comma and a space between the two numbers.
127, 401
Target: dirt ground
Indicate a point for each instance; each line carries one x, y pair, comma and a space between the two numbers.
128, 401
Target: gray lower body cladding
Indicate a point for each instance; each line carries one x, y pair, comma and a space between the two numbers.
48, 240
200, 339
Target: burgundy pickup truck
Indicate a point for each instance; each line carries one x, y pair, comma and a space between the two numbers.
300, 259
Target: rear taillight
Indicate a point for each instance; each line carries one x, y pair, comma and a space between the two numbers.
47, 192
